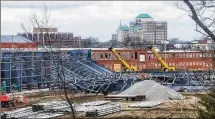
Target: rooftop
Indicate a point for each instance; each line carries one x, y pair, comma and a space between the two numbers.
143, 16
14, 38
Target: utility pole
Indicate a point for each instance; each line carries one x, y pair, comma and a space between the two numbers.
12, 42
0, 73
165, 50
165, 56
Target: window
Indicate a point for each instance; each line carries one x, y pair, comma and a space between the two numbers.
156, 65
152, 56
168, 56
163, 55
106, 56
30, 36
53, 36
132, 55
135, 55
187, 55
59, 36
65, 36
40, 36
123, 55
193, 55
101, 57
127, 55
70, 35
110, 56
35, 37
183, 55
173, 64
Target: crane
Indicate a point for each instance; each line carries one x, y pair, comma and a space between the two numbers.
126, 66
165, 66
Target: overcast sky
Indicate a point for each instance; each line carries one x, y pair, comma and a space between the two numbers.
95, 18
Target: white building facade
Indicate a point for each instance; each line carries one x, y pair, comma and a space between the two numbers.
143, 26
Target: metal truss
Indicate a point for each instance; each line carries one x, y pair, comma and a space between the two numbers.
88, 76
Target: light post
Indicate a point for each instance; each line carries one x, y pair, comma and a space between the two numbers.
165, 51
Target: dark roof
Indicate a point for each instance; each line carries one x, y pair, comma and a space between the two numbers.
14, 38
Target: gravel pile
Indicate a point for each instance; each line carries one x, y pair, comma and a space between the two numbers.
153, 91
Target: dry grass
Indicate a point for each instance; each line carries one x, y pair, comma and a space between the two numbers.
169, 109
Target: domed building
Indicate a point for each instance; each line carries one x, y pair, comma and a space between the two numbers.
143, 27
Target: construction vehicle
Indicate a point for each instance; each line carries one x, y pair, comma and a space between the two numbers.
7, 101
12, 100
126, 66
165, 67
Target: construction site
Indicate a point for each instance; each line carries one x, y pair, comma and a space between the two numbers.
103, 83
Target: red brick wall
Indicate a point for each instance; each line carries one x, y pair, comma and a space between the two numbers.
181, 60
19, 45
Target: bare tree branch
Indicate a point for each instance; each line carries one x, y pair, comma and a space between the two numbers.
41, 23
195, 17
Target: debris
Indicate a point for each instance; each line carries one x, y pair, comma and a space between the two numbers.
95, 103
145, 104
58, 108
104, 110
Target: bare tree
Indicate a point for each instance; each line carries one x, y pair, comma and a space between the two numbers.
113, 43
126, 41
132, 41
92, 42
203, 14
136, 42
42, 23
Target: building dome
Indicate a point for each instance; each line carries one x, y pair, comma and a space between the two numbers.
143, 16
125, 28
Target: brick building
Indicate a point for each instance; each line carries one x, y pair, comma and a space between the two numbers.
51, 36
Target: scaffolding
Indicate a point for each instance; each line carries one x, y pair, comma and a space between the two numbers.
41, 69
